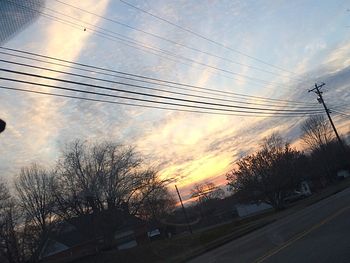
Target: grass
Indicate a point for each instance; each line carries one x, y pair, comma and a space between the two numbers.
179, 248
183, 247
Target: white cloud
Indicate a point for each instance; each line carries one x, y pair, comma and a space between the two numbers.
192, 146
35, 122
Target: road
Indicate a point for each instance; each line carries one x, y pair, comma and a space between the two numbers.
319, 233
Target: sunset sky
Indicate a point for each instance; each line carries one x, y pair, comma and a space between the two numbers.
309, 40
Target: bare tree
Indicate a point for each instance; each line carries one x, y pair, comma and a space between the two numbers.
327, 155
34, 188
7, 250
102, 176
12, 244
157, 204
206, 191
269, 174
316, 132
4, 196
104, 181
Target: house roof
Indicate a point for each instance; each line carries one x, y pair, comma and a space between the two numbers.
80, 230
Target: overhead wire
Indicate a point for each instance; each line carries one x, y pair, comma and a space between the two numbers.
114, 39
199, 88
168, 40
145, 94
216, 92
205, 38
211, 103
219, 110
340, 106
133, 104
154, 89
127, 104
116, 75
293, 125
122, 38
340, 112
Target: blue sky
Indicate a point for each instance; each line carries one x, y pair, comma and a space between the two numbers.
308, 38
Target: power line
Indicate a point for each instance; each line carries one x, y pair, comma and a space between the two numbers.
117, 39
132, 104
216, 93
166, 39
296, 122
156, 79
320, 99
150, 88
147, 100
124, 103
146, 94
341, 107
340, 112
146, 46
205, 38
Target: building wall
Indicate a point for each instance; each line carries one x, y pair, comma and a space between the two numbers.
245, 210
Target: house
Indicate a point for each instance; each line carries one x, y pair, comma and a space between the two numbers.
246, 210
342, 174
66, 243
88, 234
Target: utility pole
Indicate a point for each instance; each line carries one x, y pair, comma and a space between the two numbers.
316, 89
184, 210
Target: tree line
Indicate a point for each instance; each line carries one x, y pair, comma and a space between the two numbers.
101, 178
109, 178
276, 169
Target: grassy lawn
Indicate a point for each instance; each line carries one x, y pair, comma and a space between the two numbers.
181, 247
185, 246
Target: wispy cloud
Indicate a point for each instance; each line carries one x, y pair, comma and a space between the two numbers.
35, 122
188, 146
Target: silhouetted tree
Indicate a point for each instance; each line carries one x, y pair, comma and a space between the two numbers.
316, 132
8, 249
327, 156
206, 191
100, 177
108, 182
4, 197
205, 194
17, 244
157, 205
34, 189
269, 174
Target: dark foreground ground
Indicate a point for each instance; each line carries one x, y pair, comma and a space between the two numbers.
315, 229
317, 233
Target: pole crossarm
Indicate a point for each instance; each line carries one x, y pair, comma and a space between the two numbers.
320, 99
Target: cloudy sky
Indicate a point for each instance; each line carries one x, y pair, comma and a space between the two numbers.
273, 49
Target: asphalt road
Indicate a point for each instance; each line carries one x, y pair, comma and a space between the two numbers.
319, 233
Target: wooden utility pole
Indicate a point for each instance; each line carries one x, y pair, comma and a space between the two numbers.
184, 210
316, 89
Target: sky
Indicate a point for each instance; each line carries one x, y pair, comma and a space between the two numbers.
305, 41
